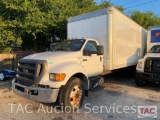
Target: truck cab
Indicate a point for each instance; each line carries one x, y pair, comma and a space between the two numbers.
148, 68
64, 74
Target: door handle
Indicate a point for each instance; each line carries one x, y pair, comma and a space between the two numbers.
100, 58
84, 59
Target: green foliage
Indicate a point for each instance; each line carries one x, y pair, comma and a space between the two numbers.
39, 18
145, 19
5, 50
5, 33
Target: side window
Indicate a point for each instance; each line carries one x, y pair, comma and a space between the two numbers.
91, 47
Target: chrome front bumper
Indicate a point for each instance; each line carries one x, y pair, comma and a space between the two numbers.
43, 95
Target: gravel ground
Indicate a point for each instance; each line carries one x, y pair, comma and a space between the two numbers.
107, 102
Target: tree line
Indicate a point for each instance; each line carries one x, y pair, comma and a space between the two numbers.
33, 24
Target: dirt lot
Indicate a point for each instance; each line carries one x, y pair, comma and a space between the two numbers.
107, 102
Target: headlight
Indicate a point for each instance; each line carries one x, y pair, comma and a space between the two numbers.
57, 77
139, 65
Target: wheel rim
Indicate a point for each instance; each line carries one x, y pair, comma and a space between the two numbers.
76, 95
1, 76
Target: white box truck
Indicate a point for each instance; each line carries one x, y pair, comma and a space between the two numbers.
124, 41
148, 68
103, 40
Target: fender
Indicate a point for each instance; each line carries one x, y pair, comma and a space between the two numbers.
70, 68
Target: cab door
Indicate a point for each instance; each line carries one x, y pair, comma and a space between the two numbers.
92, 63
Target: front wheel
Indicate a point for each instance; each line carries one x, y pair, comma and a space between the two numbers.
73, 95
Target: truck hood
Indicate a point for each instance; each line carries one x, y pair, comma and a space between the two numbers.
152, 55
53, 55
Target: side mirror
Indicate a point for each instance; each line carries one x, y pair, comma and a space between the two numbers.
100, 50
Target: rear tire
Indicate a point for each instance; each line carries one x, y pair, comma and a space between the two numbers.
72, 95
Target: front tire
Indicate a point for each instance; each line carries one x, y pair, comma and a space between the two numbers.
73, 95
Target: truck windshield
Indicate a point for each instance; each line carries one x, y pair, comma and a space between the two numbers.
155, 49
69, 45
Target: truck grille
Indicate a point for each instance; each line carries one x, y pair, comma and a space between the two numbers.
152, 65
30, 72
156, 66
147, 66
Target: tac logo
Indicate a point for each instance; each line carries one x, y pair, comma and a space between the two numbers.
147, 111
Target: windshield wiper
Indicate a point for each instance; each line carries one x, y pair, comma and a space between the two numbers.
60, 49
154, 52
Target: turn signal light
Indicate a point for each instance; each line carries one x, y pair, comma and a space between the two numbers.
57, 77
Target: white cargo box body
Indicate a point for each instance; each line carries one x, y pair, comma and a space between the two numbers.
123, 39
153, 37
